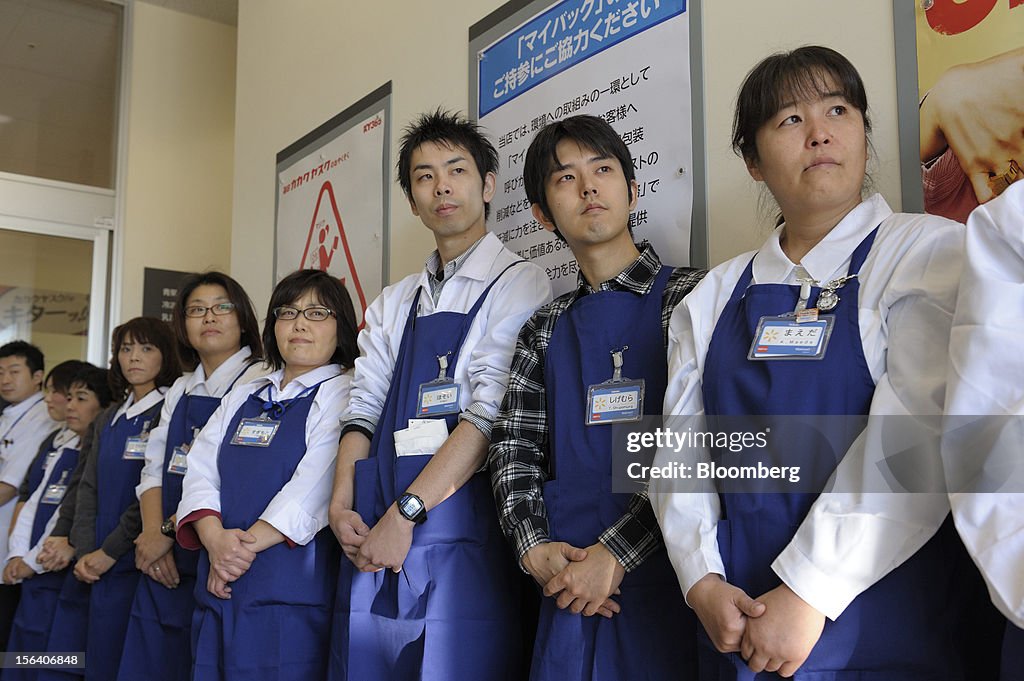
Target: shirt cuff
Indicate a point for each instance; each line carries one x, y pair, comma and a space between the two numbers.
186, 533
478, 416
293, 522
824, 592
147, 483
364, 424
528, 534
631, 541
696, 566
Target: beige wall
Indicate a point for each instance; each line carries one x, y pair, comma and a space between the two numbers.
301, 62
180, 148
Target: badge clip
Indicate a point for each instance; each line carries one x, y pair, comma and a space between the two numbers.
618, 400
442, 395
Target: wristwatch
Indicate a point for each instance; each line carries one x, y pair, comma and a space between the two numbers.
411, 507
167, 528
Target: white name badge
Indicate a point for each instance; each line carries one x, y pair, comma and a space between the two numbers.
54, 494
783, 337
257, 432
179, 461
438, 398
135, 448
615, 402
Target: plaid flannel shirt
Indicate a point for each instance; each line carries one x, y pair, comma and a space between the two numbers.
519, 452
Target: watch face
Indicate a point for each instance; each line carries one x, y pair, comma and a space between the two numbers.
411, 506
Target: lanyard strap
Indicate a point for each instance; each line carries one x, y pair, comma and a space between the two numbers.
3, 440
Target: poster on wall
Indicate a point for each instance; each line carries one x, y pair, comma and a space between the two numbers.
332, 198
626, 61
160, 290
970, 102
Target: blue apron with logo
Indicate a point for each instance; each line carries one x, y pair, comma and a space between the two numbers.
76, 625
34, 617
276, 625
158, 645
452, 612
654, 635
904, 627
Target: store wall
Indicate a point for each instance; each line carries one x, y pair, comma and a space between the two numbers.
180, 148
301, 62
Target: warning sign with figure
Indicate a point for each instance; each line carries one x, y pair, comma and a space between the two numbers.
331, 198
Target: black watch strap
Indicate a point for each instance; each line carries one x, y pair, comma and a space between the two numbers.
412, 508
167, 528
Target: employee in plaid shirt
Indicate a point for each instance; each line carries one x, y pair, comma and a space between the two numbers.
594, 356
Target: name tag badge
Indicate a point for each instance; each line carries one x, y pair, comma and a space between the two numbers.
257, 432
438, 398
135, 448
54, 494
783, 337
179, 461
615, 402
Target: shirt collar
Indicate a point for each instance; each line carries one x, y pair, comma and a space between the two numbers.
64, 437
222, 375
638, 277
131, 408
13, 411
433, 263
476, 261
823, 261
298, 384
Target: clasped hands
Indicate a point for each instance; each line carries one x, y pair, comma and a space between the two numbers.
580, 580
774, 633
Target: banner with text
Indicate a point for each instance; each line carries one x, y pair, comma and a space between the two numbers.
626, 61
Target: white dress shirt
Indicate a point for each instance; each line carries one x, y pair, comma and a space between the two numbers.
487, 352
908, 283
194, 383
986, 377
21, 535
23, 427
299, 510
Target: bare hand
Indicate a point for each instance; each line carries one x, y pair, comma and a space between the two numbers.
977, 110
92, 566
784, 636
387, 544
230, 555
724, 610
149, 546
217, 586
165, 571
351, 531
586, 586
547, 559
56, 554
17, 570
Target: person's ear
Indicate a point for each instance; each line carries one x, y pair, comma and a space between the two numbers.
545, 222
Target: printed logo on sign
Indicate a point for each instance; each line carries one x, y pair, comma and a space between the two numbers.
372, 124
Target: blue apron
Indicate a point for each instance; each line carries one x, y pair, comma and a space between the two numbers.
93, 618
158, 645
655, 626
276, 625
38, 467
904, 627
451, 613
31, 627
1013, 654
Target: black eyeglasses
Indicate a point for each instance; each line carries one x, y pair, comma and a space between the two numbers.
219, 309
317, 313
